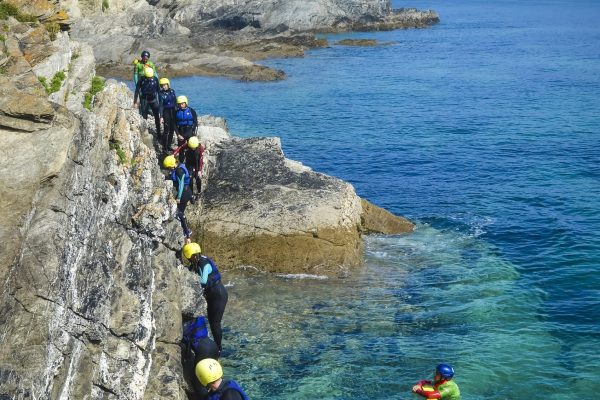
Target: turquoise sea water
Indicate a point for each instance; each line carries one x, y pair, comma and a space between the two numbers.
485, 130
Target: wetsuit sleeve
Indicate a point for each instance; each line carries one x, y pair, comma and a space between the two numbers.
180, 149
136, 74
160, 105
195, 117
204, 273
180, 182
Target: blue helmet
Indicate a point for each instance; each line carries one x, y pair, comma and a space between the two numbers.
146, 53
446, 371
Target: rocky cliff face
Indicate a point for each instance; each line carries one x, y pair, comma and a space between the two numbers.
89, 303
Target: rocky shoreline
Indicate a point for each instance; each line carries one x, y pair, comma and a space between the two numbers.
213, 39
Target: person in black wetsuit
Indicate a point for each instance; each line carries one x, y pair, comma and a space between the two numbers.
210, 375
147, 90
181, 181
167, 103
195, 349
214, 290
194, 159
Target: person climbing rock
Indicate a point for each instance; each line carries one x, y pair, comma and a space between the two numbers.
210, 374
442, 387
214, 291
187, 122
147, 90
141, 64
167, 103
180, 176
196, 346
194, 159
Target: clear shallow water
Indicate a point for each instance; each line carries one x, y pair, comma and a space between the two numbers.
484, 129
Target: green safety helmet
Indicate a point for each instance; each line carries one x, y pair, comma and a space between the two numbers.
193, 142
190, 249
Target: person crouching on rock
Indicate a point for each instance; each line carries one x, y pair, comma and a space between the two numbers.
181, 181
196, 346
210, 375
214, 291
167, 103
147, 89
187, 122
194, 159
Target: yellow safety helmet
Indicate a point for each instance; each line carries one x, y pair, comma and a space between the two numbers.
164, 81
190, 249
193, 142
135, 61
170, 162
148, 72
182, 99
208, 371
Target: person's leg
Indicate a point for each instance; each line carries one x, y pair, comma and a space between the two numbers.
185, 198
169, 129
154, 107
216, 302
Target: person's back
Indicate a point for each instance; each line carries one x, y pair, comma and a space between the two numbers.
448, 390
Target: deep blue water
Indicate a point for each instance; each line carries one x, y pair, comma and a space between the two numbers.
485, 130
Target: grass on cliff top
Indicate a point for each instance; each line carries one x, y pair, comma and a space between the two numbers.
97, 86
9, 10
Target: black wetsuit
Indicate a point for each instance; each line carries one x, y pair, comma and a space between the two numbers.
215, 294
206, 348
168, 113
147, 89
186, 196
193, 162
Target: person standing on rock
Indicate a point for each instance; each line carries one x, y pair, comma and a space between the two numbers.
168, 115
187, 122
210, 375
194, 160
214, 291
180, 176
140, 65
147, 90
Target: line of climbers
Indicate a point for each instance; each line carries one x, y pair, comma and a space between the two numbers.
200, 354
184, 163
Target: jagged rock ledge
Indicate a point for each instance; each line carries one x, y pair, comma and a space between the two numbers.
261, 209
